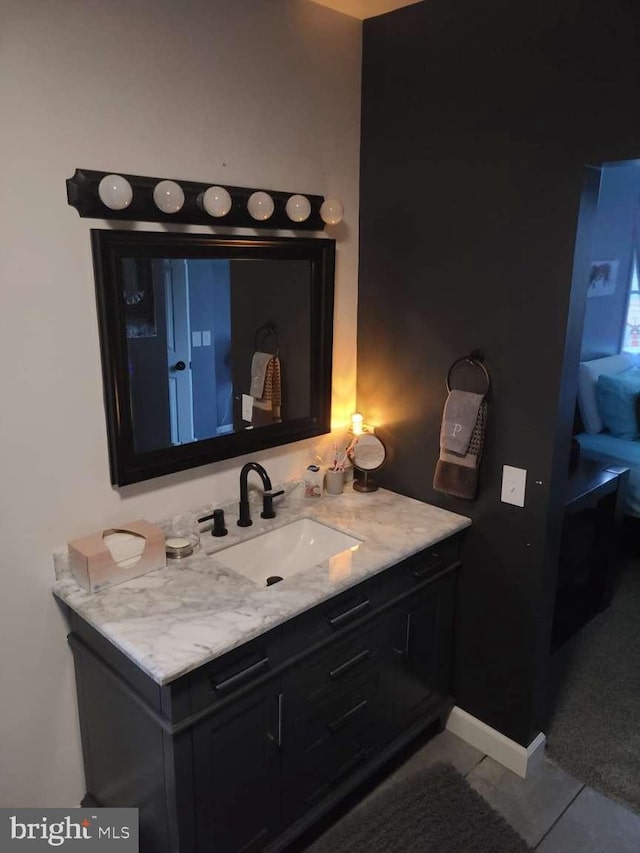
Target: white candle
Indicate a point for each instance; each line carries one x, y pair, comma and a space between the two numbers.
177, 542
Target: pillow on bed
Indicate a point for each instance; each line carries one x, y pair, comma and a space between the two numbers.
617, 398
588, 373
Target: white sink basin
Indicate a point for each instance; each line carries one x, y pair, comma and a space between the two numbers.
288, 550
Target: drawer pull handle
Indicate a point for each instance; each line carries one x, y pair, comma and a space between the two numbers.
336, 621
280, 704
424, 570
407, 637
336, 725
347, 665
404, 653
277, 738
353, 762
240, 677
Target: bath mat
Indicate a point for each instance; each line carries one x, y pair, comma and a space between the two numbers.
433, 811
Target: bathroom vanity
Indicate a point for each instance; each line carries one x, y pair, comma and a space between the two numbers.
233, 714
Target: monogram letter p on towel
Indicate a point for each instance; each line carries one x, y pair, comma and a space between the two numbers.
461, 441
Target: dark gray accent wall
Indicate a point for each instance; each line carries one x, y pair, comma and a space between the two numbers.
273, 291
147, 357
478, 122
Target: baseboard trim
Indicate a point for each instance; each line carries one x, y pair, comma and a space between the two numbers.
519, 759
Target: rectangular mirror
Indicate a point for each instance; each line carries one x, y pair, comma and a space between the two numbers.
212, 346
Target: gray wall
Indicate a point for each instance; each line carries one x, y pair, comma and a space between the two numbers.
478, 122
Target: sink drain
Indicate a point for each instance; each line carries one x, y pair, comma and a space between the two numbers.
273, 579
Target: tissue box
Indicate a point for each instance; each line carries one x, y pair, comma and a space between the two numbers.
136, 548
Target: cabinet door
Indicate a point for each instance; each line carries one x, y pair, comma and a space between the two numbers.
237, 774
421, 633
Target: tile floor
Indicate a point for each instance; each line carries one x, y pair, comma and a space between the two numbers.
551, 810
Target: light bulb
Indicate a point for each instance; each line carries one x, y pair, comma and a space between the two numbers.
115, 192
298, 208
357, 421
168, 196
216, 201
260, 205
331, 211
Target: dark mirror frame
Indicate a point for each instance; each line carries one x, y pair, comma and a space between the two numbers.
109, 248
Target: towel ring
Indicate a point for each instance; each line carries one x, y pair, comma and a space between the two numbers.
268, 330
475, 360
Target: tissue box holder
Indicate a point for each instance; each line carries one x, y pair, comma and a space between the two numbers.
94, 568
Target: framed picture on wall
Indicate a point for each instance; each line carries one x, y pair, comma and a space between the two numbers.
602, 278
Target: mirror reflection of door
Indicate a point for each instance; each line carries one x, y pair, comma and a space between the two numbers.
177, 317
176, 288
197, 299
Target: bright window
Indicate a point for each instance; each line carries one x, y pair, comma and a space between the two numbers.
631, 340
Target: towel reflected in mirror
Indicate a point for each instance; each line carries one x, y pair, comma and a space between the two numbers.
266, 389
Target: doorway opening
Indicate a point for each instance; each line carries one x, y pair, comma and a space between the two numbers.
590, 729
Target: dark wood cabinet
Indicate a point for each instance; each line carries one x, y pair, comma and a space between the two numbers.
236, 759
590, 546
248, 751
421, 637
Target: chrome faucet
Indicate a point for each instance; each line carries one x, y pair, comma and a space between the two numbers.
244, 516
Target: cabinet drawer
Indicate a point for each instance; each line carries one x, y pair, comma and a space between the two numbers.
423, 566
332, 722
315, 783
332, 617
337, 667
235, 671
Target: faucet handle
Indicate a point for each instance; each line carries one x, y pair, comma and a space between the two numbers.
219, 528
267, 503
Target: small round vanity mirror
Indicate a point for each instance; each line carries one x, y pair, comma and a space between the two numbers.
368, 455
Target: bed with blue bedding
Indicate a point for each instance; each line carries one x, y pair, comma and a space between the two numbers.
609, 404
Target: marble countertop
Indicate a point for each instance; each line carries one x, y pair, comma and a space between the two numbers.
173, 620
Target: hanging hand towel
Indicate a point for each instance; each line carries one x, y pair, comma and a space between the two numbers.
458, 420
259, 364
457, 473
267, 406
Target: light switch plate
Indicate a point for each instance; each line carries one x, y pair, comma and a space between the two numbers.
247, 407
514, 481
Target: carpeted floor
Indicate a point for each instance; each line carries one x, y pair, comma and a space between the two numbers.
594, 727
433, 811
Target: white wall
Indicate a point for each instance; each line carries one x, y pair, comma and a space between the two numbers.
261, 93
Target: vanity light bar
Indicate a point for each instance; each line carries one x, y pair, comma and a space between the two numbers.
108, 195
